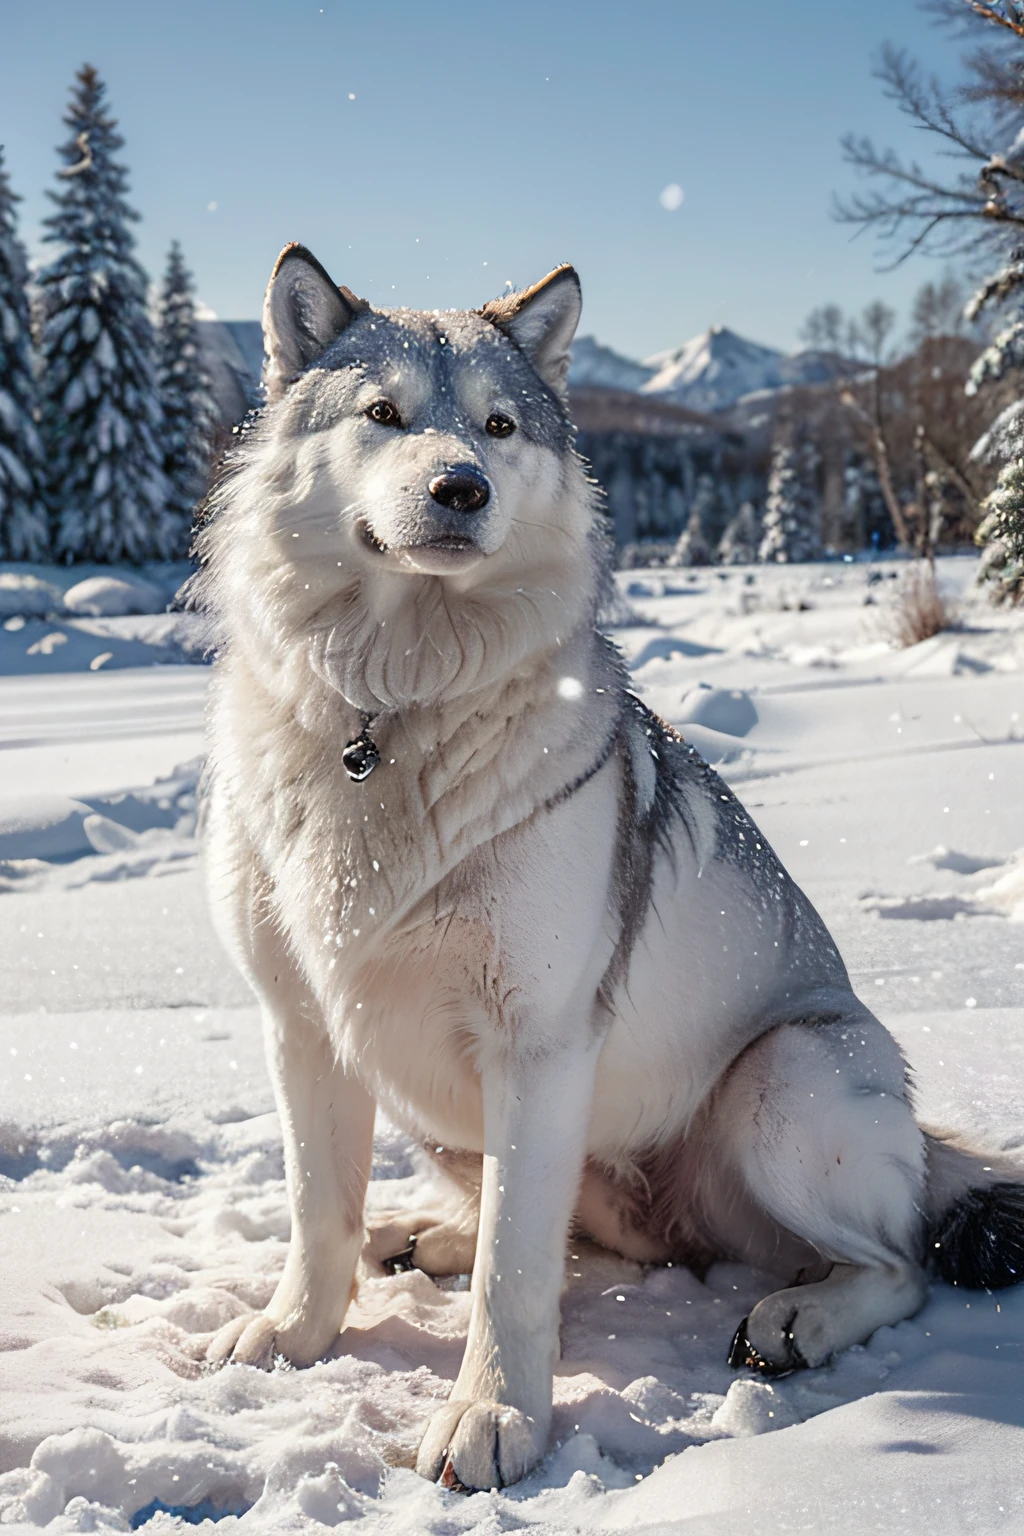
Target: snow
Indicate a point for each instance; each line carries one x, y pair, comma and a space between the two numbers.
23, 593
143, 1199
59, 620
107, 597
593, 365
713, 370
727, 710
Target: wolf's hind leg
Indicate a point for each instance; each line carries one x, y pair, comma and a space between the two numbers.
813, 1119
804, 1325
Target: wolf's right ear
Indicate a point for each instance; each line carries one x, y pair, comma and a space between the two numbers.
303, 312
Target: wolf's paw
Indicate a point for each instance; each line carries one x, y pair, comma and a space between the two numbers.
256, 1339
247, 1340
423, 1240
779, 1337
478, 1445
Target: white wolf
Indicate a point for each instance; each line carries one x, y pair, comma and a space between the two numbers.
473, 880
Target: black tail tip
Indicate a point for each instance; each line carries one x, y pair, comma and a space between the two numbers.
979, 1242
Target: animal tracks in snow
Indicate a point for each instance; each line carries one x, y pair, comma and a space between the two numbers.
983, 895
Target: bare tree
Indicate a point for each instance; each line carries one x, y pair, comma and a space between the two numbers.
825, 328
981, 204
867, 342
978, 209
938, 310
901, 407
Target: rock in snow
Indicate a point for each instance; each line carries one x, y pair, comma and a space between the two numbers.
112, 597
730, 710
25, 595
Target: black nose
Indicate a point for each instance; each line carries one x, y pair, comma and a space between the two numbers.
461, 489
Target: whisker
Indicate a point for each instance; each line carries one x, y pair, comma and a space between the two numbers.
546, 527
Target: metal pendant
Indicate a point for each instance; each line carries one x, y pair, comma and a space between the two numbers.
361, 756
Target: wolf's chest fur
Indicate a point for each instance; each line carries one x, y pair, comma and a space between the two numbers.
395, 892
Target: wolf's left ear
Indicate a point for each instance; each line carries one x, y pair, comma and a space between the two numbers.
303, 312
542, 321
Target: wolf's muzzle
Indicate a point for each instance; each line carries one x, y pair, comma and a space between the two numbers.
461, 489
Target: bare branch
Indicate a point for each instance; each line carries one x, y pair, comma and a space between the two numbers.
923, 102
1014, 20
883, 469
915, 209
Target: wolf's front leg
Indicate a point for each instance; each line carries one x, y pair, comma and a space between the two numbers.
495, 1426
327, 1127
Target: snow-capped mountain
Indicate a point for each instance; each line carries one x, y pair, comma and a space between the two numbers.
711, 372
706, 374
594, 366
232, 352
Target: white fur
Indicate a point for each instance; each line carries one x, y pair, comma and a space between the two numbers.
435, 939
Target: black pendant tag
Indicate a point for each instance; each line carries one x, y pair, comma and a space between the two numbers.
361, 756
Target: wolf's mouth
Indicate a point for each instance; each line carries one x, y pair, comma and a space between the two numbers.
451, 543
370, 539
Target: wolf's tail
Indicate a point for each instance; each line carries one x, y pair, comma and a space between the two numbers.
974, 1215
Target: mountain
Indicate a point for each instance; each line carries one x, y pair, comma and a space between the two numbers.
712, 371
814, 366
232, 353
709, 373
595, 409
594, 366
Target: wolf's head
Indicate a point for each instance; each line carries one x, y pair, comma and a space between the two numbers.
411, 515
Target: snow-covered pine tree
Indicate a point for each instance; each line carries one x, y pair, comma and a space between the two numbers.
100, 404
1001, 531
24, 534
692, 547
791, 516
700, 537
738, 545
710, 505
190, 416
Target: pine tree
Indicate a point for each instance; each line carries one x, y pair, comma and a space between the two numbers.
711, 508
189, 413
703, 531
691, 547
1001, 531
24, 534
739, 542
791, 521
101, 411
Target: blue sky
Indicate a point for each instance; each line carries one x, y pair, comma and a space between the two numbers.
429, 152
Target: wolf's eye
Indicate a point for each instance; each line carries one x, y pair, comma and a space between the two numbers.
498, 425
385, 412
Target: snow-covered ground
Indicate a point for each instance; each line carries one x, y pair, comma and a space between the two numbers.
142, 1202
